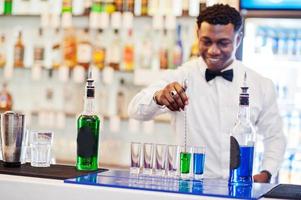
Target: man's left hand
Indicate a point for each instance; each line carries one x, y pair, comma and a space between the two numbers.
261, 178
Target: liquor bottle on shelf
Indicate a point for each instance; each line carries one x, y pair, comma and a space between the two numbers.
56, 50
19, 51
119, 5
39, 49
145, 55
69, 48
84, 50
194, 50
128, 6
88, 132
242, 141
8, 7
109, 6
99, 50
144, 7
128, 53
2, 51
6, 100
163, 51
97, 6
114, 54
178, 49
67, 6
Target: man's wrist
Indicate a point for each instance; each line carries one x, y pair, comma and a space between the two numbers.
155, 98
268, 174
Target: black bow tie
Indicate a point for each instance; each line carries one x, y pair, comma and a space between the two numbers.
228, 74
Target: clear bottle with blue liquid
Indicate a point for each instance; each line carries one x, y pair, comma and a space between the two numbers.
242, 140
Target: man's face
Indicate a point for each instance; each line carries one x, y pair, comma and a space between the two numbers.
217, 44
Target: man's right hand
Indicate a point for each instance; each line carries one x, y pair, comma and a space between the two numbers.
173, 96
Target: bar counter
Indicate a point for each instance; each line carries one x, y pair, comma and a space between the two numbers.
17, 187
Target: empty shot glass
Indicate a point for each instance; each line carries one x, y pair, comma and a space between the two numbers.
148, 149
173, 158
198, 162
160, 158
135, 157
41, 148
185, 162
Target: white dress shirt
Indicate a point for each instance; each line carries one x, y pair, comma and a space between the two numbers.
212, 112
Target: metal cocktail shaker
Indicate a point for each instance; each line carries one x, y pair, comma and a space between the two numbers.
12, 130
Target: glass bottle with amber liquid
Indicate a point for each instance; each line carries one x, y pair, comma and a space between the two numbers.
88, 132
2, 51
19, 51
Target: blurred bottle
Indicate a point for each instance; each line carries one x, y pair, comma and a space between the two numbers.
185, 7
2, 51
114, 51
194, 50
144, 7
178, 49
121, 103
6, 100
291, 42
56, 49
97, 6
109, 6
67, 6
296, 169
128, 52
99, 50
145, 55
69, 48
163, 51
39, 49
298, 43
119, 5
259, 40
87, 7
281, 39
285, 173
19, 51
128, 6
8, 7
84, 49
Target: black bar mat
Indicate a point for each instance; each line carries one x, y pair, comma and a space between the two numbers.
285, 191
60, 172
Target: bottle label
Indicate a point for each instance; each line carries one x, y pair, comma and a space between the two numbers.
86, 142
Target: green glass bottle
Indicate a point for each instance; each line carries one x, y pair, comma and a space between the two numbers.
88, 132
8, 7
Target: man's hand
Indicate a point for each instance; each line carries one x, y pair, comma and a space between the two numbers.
262, 177
173, 96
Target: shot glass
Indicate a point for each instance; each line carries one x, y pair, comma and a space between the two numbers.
135, 157
185, 162
148, 149
41, 148
160, 158
173, 155
198, 162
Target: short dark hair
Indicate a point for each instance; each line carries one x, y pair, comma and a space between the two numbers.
220, 14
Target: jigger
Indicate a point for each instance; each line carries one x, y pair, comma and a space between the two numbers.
12, 130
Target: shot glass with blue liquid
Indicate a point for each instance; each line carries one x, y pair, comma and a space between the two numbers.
198, 162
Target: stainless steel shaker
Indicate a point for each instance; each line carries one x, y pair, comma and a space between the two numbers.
12, 130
